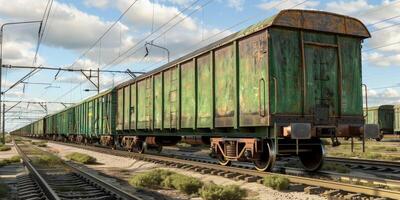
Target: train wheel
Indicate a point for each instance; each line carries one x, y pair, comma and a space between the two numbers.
312, 160
267, 159
378, 139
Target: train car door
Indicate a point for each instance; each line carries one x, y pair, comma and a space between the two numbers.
321, 63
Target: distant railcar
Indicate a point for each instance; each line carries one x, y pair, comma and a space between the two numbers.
273, 89
382, 115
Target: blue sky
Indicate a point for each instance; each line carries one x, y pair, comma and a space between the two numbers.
74, 25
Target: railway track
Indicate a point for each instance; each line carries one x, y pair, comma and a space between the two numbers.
62, 180
331, 188
367, 164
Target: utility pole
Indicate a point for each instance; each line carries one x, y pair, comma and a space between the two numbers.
1, 64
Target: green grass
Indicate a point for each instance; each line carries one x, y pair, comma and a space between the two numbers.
186, 184
8, 138
391, 149
4, 147
212, 191
335, 167
151, 179
81, 158
47, 160
276, 182
159, 178
40, 143
11, 160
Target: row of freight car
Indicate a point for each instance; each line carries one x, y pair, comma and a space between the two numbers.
273, 89
387, 117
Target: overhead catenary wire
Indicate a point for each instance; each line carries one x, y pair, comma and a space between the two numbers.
139, 42
82, 55
42, 28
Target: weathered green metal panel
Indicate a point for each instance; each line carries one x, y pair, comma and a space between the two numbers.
350, 51
120, 107
96, 117
90, 116
158, 101
285, 67
253, 80
133, 106
127, 107
322, 81
204, 96
145, 103
170, 98
318, 37
100, 116
225, 87
188, 95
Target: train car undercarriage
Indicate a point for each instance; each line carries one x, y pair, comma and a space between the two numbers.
263, 153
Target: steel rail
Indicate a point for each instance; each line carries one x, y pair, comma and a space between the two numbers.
104, 184
47, 190
353, 161
117, 191
352, 188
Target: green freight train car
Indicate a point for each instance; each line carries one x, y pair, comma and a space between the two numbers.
86, 121
383, 116
273, 89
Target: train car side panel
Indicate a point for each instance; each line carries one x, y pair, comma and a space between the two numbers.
127, 107
158, 102
188, 95
350, 49
204, 91
133, 114
225, 84
120, 109
171, 83
285, 54
253, 81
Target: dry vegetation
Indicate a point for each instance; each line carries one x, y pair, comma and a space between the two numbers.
81, 158
11, 160
164, 179
373, 150
40, 143
47, 160
277, 182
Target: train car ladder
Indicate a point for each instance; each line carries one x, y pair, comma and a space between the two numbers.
172, 101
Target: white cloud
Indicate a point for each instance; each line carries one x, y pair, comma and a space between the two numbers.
383, 96
236, 4
19, 53
381, 60
348, 7
97, 3
280, 5
180, 2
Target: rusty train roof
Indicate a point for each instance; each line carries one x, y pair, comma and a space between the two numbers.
300, 19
